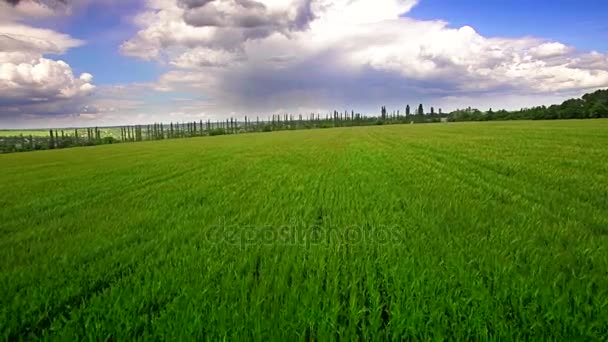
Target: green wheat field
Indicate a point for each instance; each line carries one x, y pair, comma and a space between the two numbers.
483, 231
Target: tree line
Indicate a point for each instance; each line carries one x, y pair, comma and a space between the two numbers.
590, 106
61, 138
593, 105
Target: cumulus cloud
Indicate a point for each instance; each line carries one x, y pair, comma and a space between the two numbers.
41, 80
30, 83
277, 54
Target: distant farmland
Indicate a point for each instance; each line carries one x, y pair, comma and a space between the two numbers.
448, 231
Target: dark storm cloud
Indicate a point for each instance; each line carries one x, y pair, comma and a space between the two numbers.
193, 3
315, 83
246, 14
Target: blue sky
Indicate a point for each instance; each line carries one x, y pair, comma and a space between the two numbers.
579, 23
142, 61
104, 28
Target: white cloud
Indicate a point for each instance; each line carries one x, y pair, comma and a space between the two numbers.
16, 37
30, 83
35, 9
551, 49
41, 80
268, 55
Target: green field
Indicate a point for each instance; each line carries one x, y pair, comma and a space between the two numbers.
445, 231
25, 132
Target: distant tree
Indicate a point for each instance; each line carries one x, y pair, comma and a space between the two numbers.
51, 140
407, 110
420, 110
432, 110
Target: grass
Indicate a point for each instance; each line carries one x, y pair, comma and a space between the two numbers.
18, 132
449, 231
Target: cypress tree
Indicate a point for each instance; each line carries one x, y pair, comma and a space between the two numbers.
407, 110
420, 110
51, 140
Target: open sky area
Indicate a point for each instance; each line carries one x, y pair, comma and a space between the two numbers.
110, 62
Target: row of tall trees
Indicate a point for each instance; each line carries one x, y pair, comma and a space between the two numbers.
159, 131
418, 116
593, 105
